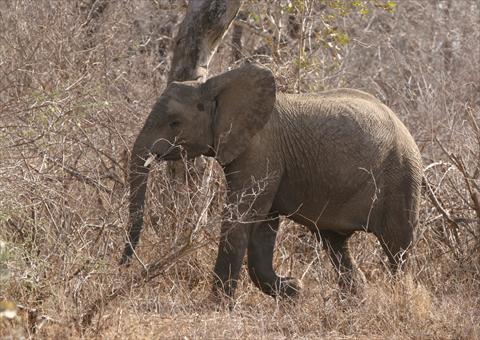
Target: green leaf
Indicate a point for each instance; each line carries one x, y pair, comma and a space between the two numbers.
391, 4
342, 38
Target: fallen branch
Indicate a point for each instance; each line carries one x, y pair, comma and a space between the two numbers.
150, 272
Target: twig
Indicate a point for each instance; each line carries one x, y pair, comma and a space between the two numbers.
79, 176
436, 203
36, 321
453, 225
251, 28
468, 179
151, 271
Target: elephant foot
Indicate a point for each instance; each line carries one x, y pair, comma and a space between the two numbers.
126, 255
288, 287
219, 301
222, 294
352, 283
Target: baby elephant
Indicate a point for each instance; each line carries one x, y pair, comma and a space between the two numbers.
336, 162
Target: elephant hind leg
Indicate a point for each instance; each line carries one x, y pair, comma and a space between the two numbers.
260, 256
336, 246
396, 238
396, 234
400, 216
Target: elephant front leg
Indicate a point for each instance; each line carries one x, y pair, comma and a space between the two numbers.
234, 239
260, 256
249, 200
231, 250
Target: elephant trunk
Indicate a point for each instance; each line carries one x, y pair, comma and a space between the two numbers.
137, 179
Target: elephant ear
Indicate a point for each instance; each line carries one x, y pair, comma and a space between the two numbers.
244, 102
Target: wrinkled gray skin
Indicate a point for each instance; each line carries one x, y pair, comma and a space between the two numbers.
337, 162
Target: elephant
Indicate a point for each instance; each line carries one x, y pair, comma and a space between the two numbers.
336, 162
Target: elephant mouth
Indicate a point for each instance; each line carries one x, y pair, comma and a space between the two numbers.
172, 154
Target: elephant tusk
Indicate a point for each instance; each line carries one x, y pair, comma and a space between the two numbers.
149, 160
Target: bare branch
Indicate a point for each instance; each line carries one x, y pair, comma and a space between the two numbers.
83, 178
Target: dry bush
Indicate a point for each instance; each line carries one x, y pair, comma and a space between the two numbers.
76, 84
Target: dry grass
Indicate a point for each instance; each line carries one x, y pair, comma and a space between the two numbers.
73, 94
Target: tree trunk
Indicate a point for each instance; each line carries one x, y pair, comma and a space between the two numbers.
202, 29
237, 38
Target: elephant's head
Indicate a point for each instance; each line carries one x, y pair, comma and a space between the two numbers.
216, 118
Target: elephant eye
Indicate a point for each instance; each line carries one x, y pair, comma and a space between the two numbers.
175, 124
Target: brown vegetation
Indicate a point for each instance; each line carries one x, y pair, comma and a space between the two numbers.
76, 82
